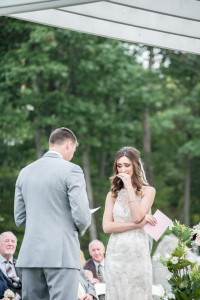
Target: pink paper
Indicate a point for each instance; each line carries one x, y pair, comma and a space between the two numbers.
162, 223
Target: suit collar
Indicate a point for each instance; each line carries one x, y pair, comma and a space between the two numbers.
53, 154
101, 263
3, 259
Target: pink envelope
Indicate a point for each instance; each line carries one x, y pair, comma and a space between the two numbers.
162, 223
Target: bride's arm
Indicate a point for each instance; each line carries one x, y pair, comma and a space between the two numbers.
109, 226
140, 209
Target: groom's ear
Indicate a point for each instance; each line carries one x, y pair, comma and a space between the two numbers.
68, 144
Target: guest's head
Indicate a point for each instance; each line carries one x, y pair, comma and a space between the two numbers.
8, 243
64, 141
97, 250
127, 160
82, 258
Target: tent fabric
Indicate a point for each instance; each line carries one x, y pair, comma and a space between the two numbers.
172, 24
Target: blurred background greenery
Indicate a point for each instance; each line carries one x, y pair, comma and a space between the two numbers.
111, 94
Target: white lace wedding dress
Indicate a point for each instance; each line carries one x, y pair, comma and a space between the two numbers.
128, 264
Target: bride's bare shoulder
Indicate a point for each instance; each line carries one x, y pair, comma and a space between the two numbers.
146, 190
110, 197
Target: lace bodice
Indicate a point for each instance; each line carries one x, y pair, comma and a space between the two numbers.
121, 210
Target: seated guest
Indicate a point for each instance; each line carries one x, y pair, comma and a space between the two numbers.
11, 274
88, 273
3, 285
96, 264
86, 290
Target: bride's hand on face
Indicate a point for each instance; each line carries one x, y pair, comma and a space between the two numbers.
148, 219
126, 178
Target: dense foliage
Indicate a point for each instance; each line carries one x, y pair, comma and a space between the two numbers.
99, 88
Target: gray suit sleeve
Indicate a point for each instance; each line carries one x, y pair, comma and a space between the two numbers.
19, 206
78, 199
87, 284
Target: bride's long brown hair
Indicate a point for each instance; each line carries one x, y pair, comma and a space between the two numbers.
139, 178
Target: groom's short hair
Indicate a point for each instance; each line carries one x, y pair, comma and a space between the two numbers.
59, 135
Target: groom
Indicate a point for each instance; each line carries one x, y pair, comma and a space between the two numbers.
52, 204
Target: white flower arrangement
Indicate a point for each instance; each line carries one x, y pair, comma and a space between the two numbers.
171, 225
157, 257
168, 276
9, 294
190, 259
174, 260
167, 256
171, 296
185, 274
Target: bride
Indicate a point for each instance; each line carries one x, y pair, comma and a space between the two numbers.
128, 264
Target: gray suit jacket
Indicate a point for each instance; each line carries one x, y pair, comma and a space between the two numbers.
51, 202
87, 284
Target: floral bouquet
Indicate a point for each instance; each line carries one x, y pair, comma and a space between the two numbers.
185, 276
9, 294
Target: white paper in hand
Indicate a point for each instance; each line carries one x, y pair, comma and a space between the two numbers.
100, 288
94, 209
162, 223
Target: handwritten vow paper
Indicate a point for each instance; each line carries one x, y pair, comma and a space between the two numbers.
162, 223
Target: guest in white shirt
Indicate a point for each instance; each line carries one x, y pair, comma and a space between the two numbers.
96, 264
11, 274
97, 252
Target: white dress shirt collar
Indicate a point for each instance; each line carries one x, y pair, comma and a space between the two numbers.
3, 259
97, 264
50, 151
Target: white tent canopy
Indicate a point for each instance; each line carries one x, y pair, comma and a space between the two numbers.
171, 24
